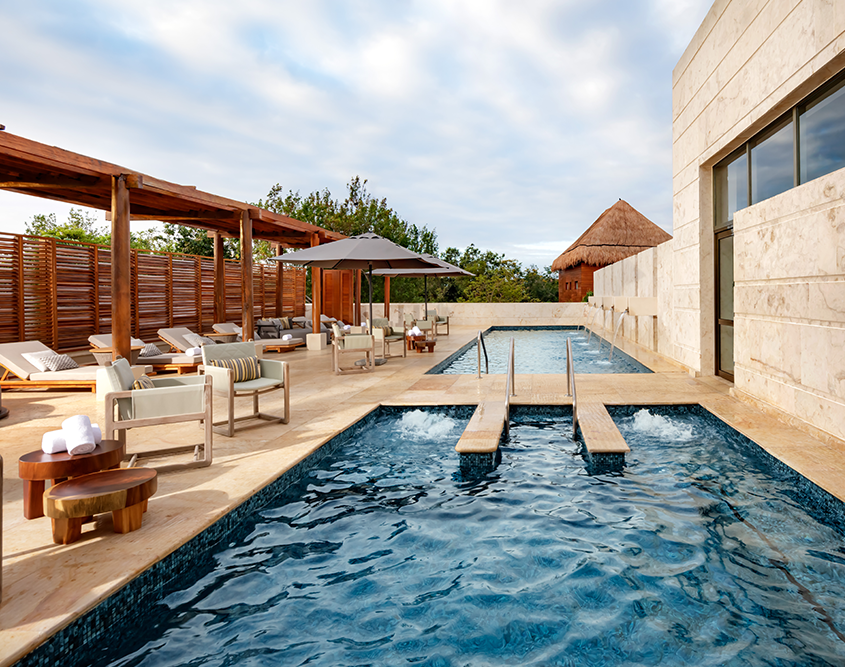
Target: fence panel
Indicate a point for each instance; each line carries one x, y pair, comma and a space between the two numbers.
59, 292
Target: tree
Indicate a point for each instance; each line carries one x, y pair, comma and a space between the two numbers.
541, 286
504, 284
80, 226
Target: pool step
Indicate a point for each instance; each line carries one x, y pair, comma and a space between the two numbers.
606, 448
482, 434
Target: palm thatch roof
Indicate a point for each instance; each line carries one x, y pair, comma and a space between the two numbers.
619, 232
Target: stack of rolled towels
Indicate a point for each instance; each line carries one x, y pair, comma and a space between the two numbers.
287, 337
193, 351
77, 436
415, 331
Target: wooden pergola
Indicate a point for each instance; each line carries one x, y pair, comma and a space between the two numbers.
32, 168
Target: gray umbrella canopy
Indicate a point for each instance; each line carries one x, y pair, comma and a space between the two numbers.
441, 268
366, 251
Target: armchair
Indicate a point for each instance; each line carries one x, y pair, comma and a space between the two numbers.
438, 321
352, 343
167, 401
386, 335
235, 370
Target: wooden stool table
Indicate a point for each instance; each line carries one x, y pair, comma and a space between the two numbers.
36, 467
123, 492
421, 345
412, 340
287, 346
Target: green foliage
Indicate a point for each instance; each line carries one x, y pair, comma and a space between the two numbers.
587, 296
80, 226
360, 212
541, 286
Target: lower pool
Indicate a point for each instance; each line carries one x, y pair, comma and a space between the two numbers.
539, 350
700, 552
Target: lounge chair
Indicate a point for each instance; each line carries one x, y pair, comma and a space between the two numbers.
387, 336
181, 363
268, 333
30, 376
170, 400
222, 363
355, 344
438, 321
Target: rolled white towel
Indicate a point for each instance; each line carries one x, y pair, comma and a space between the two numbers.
79, 435
287, 337
415, 331
193, 351
54, 442
347, 327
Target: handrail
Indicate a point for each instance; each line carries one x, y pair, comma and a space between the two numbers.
510, 388
481, 346
570, 382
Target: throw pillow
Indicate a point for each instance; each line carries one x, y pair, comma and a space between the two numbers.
243, 369
143, 382
150, 350
284, 323
37, 358
59, 362
198, 341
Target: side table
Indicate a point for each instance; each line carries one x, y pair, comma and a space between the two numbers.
36, 467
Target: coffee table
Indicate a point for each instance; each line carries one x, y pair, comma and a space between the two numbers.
36, 467
412, 340
425, 345
287, 346
123, 492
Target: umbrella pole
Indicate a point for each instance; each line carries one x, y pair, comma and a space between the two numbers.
425, 290
370, 281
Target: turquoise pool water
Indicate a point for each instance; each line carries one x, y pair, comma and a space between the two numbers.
700, 552
539, 350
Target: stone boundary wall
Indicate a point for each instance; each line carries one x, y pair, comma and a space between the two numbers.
483, 315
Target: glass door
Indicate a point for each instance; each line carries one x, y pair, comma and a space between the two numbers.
725, 304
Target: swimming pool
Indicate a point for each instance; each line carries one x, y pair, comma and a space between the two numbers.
539, 350
699, 552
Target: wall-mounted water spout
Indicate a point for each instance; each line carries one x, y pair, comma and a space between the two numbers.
616, 331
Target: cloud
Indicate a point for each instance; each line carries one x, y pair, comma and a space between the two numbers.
508, 126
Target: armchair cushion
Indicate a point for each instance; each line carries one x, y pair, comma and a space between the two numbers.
143, 382
243, 368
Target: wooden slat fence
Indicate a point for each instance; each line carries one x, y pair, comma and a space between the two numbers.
59, 292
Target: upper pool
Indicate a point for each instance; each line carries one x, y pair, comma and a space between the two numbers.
539, 350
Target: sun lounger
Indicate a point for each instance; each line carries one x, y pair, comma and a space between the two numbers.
181, 363
30, 376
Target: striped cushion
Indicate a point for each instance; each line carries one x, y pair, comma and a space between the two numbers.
143, 382
245, 368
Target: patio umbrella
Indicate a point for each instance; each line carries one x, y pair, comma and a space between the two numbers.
440, 268
366, 251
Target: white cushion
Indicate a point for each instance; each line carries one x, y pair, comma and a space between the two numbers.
37, 358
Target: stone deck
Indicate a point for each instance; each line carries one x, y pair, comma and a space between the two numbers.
46, 586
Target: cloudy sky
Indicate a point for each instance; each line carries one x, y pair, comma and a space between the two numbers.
511, 125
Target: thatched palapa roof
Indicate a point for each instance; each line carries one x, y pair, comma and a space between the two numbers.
619, 232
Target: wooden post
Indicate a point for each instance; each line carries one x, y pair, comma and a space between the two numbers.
280, 274
96, 289
246, 277
169, 290
219, 280
121, 322
316, 291
387, 297
54, 294
20, 291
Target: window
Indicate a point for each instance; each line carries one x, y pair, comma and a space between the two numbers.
821, 140
803, 144
731, 188
772, 164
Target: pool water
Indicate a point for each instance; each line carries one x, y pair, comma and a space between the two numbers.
696, 554
539, 350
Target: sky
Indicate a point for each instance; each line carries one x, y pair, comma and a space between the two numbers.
510, 125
